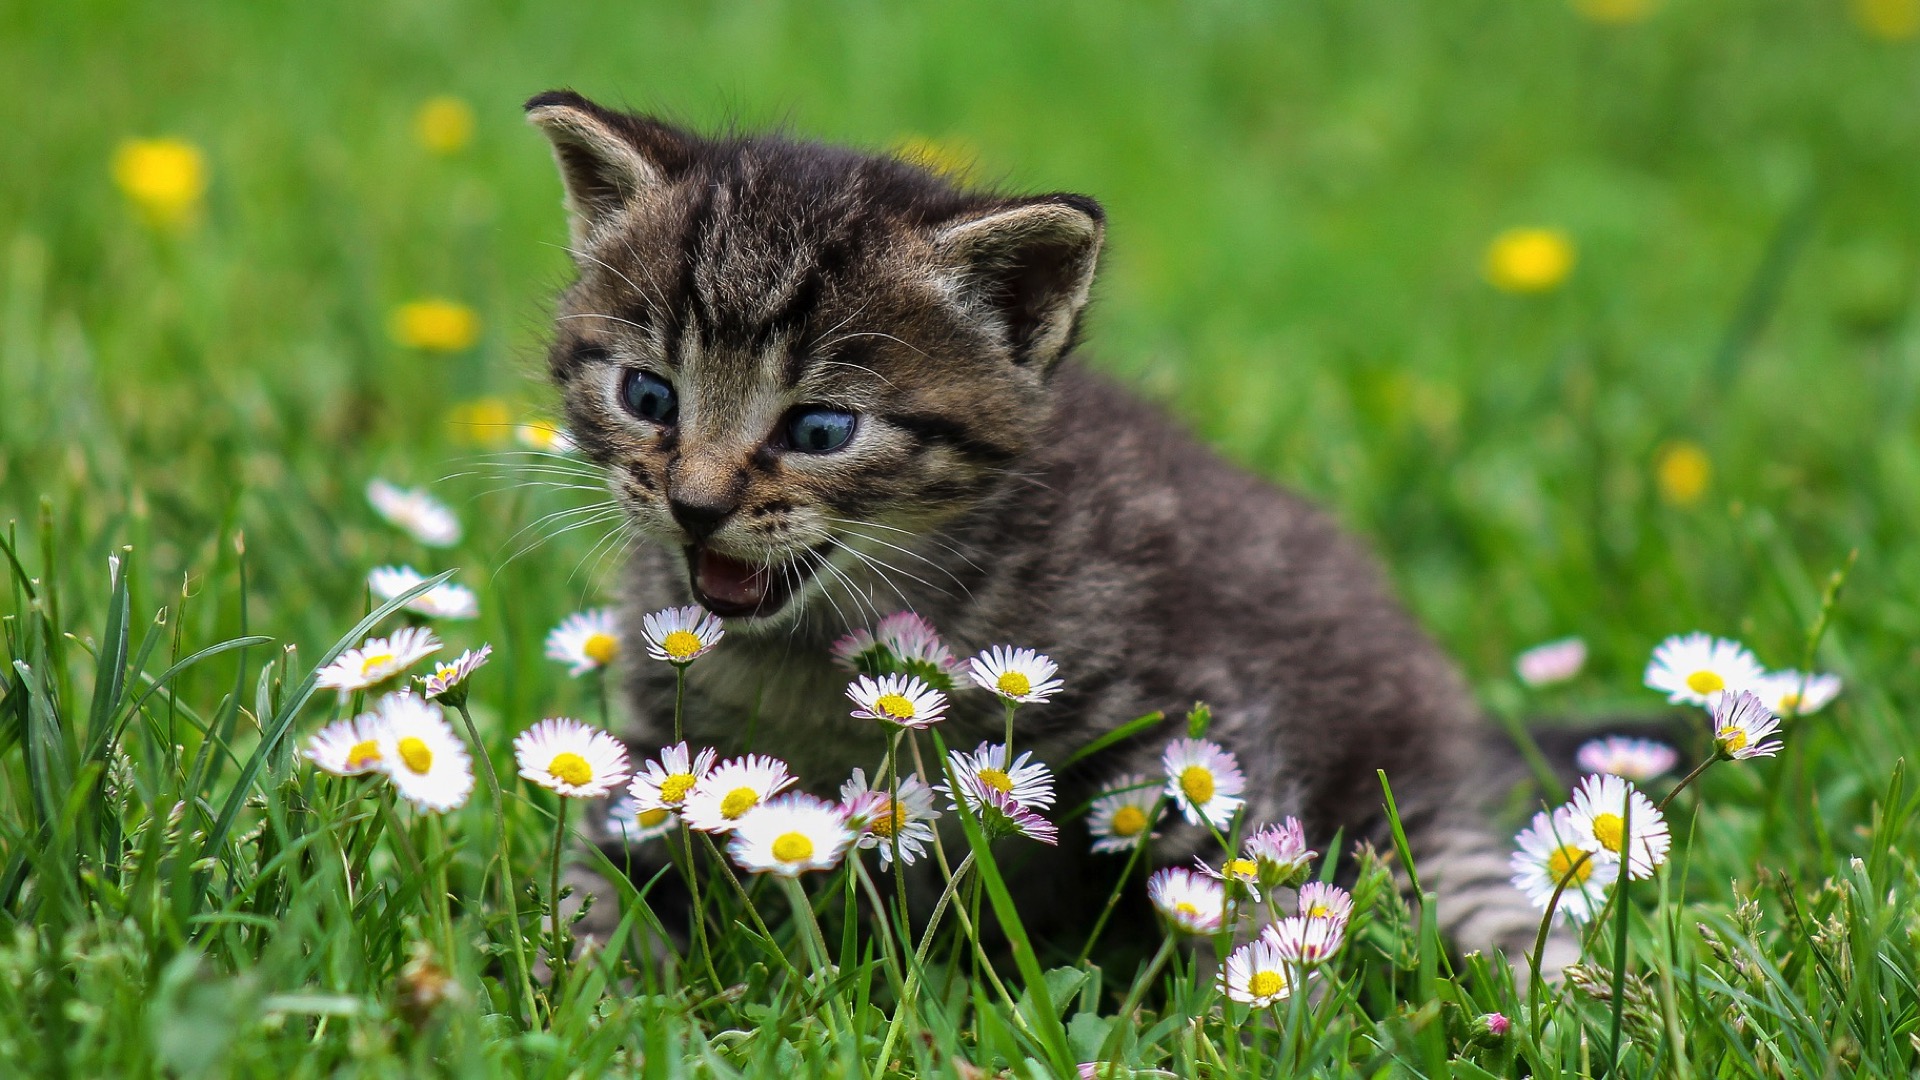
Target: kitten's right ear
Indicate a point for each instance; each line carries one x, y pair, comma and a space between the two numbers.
608, 160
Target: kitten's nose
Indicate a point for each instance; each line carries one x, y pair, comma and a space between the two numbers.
700, 519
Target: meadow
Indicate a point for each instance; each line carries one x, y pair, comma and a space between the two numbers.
253, 256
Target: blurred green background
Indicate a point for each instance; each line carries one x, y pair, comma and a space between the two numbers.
1691, 427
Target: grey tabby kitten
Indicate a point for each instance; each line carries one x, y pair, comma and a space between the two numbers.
827, 385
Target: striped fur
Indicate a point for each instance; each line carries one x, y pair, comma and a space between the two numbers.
992, 484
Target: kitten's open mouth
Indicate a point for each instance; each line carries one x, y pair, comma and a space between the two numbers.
737, 589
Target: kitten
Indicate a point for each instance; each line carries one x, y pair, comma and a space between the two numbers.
827, 385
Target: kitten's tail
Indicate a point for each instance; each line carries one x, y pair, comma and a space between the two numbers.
1468, 865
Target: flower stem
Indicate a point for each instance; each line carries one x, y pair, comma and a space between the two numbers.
679, 699
1126, 875
1007, 756
1123, 1019
503, 851
556, 953
905, 1008
691, 873
1687, 779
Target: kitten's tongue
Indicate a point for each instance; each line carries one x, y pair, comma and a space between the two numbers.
731, 581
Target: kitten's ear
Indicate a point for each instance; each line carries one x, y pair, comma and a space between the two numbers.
1028, 266
608, 160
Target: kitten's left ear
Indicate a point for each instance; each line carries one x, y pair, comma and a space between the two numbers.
1028, 267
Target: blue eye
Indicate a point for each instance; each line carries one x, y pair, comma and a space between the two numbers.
816, 429
649, 396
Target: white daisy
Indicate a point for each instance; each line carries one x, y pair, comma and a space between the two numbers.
1122, 819
790, 836
584, 641
539, 435
1740, 723
1281, 852
1243, 871
1018, 675
420, 753
665, 782
1696, 668
415, 512
1256, 974
1552, 662
1320, 900
1026, 782
722, 798
448, 681
444, 601
346, 747
567, 756
1304, 942
897, 699
1636, 759
1193, 903
881, 822
681, 635
378, 659
629, 824
1600, 823
1549, 853
1204, 780
1793, 693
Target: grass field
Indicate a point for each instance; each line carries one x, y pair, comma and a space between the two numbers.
1700, 423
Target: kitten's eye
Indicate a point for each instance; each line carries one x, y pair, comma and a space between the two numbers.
815, 429
649, 396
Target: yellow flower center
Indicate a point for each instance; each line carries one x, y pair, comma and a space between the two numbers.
1706, 682
1319, 911
570, 768
1731, 739
363, 754
601, 648
996, 780
1014, 683
1610, 831
674, 788
886, 822
369, 665
445, 673
681, 644
1564, 859
650, 818
738, 801
1129, 821
1196, 783
1187, 908
1266, 984
417, 754
793, 847
1790, 702
1240, 868
895, 706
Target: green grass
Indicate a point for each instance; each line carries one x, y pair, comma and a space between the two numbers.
1300, 196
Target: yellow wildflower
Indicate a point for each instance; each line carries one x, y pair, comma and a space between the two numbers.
1683, 471
1615, 12
1530, 260
435, 325
1888, 20
444, 125
949, 157
165, 178
483, 421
